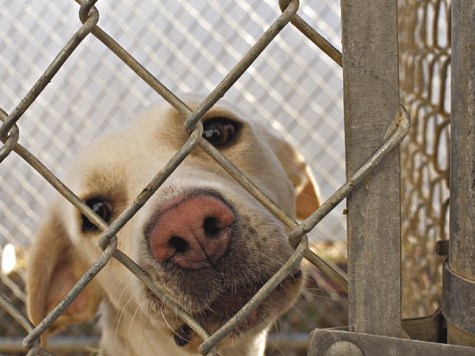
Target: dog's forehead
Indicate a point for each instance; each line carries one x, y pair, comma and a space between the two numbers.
149, 142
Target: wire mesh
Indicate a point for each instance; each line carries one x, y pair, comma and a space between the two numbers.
190, 48
424, 37
104, 99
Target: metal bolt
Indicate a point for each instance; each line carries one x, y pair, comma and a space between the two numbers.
343, 348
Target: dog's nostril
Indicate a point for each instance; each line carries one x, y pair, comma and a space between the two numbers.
193, 232
179, 244
210, 226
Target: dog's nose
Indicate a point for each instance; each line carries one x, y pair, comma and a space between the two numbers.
193, 233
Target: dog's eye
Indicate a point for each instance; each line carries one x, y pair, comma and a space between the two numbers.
101, 208
219, 130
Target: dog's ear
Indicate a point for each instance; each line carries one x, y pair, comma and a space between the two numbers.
299, 173
54, 267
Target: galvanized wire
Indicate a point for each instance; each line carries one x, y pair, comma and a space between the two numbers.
402, 125
15, 313
424, 45
243, 64
54, 67
95, 268
89, 15
108, 235
314, 36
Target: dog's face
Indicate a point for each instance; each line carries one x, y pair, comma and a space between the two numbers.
204, 241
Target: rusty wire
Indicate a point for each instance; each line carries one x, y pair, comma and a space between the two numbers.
108, 242
424, 45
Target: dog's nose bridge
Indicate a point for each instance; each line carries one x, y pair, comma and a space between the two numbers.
193, 233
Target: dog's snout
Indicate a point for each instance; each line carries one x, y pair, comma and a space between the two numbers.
193, 233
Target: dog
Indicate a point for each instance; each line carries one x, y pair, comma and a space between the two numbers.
202, 238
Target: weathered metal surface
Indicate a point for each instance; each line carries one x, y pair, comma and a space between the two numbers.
322, 341
459, 304
371, 99
429, 328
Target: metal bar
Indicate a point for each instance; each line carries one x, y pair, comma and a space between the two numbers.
401, 125
371, 99
313, 35
461, 265
7, 305
344, 343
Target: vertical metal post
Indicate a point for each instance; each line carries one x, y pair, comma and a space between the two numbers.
371, 99
458, 303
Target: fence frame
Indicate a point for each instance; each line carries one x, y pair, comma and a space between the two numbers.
458, 302
370, 72
370, 61
371, 97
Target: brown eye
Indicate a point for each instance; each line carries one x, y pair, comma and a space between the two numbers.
219, 130
101, 208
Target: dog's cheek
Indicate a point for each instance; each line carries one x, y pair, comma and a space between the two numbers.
265, 236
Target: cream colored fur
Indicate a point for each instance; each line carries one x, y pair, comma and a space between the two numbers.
118, 167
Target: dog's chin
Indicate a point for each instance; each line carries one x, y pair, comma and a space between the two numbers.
225, 306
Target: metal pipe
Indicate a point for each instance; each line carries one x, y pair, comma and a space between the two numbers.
459, 274
371, 99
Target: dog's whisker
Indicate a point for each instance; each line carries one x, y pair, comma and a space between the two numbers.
150, 345
204, 241
137, 309
165, 319
122, 313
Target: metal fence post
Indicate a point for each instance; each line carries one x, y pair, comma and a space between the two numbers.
459, 275
371, 99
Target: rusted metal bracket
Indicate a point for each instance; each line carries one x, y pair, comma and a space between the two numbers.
344, 343
432, 328
458, 298
458, 304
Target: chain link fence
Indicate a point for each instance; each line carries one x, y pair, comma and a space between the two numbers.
191, 47
424, 37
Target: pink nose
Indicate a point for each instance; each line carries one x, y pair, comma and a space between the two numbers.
193, 233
